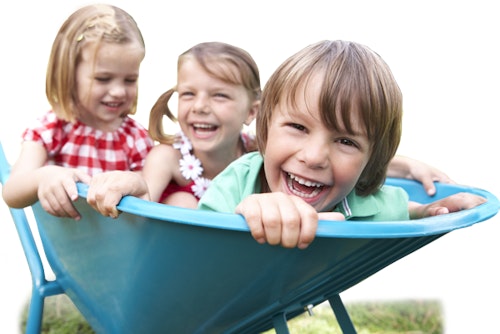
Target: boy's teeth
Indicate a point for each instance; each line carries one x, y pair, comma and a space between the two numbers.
304, 182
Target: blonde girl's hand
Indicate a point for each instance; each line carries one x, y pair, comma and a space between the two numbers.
107, 189
57, 190
280, 219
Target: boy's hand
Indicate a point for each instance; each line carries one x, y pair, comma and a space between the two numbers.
280, 219
452, 203
412, 169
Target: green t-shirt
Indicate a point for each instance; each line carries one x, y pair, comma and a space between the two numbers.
242, 178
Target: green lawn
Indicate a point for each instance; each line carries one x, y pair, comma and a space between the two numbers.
394, 317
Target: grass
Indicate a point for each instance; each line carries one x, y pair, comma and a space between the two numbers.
388, 317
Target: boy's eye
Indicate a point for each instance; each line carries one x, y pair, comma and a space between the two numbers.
348, 142
134, 80
297, 126
102, 79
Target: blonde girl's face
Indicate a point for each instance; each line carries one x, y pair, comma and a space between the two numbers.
107, 83
322, 166
212, 112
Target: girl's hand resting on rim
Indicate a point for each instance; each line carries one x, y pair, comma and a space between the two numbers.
57, 190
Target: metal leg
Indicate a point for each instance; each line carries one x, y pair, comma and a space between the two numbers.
35, 314
341, 314
280, 324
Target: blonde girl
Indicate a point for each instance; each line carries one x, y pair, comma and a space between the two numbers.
91, 85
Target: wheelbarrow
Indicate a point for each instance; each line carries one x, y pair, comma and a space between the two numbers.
165, 269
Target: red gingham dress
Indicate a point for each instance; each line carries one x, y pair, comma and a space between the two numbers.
76, 145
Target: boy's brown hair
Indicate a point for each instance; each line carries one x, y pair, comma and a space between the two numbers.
355, 80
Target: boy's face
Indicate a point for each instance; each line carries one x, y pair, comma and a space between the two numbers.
306, 159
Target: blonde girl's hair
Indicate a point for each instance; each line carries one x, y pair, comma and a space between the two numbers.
90, 24
220, 60
356, 81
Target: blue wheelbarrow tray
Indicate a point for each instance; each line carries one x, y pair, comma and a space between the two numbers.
164, 269
159, 268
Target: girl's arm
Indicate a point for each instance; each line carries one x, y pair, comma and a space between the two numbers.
159, 169
107, 189
30, 181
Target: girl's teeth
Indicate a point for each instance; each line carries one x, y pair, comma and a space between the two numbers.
205, 126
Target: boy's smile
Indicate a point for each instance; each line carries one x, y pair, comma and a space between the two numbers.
302, 187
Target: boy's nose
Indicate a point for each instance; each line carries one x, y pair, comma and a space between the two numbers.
315, 154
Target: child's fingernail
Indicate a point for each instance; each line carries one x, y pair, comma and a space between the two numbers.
302, 246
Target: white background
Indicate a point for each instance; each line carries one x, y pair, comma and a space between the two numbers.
444, 55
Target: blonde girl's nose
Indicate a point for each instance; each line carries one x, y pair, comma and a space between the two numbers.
118, 90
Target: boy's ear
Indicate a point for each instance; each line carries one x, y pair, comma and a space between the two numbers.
252, 113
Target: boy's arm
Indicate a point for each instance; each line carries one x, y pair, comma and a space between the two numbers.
404, 167
452, 203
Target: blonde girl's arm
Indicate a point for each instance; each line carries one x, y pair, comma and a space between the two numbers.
54, 186
21, 188
159, 169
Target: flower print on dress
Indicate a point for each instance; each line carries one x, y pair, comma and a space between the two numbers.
183, 144
190, 165
201, 185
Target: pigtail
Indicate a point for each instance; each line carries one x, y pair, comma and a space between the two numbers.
160, 109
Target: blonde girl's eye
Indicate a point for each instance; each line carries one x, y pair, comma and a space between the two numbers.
132, 80
102, 79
